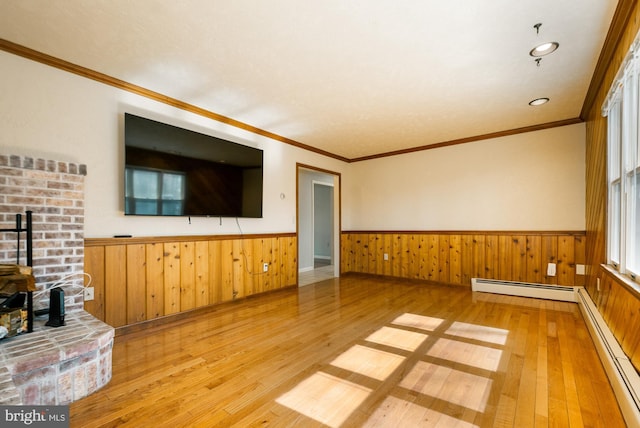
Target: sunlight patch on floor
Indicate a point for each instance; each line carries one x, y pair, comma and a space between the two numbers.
332, 400
325, 398
418, 321
448, 384
478, 356
369, 362
397, 338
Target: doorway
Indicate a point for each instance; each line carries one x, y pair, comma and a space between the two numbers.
322, 224
318, 225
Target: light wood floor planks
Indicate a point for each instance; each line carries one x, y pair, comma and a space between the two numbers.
360, 351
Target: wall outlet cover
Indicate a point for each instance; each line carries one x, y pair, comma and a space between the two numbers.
89, 294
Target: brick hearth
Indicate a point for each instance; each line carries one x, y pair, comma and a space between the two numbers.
53, 366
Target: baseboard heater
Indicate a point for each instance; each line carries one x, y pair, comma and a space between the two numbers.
623, 377
524, 289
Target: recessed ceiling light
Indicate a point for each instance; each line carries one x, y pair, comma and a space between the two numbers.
538, 101
544, 49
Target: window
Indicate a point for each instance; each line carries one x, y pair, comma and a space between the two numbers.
152, 192
622, 109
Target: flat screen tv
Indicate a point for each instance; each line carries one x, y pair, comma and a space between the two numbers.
171, 171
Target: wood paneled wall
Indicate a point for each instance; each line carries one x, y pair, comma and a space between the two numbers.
596, 145
141, 279
456, 257
618, 303
620, 308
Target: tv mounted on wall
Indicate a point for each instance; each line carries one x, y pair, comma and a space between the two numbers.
171, 171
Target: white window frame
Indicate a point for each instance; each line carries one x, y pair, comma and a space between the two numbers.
622, 108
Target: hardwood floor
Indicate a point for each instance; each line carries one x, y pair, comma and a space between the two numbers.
360, 351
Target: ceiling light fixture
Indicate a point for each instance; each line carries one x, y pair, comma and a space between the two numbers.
544, 49
538, 101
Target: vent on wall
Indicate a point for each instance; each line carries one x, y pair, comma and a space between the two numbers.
622, 375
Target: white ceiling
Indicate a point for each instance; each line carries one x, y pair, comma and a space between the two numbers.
354, 78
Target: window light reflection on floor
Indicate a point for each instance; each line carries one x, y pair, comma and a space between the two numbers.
397, 338
448, 384
325, 398
478, 356
331, 400
369, 362
418, 321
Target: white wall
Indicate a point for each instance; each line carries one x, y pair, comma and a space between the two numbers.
532, 181
48, 113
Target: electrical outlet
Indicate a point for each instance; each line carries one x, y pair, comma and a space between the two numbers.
265, 267
551, 269
386, 256
88, 294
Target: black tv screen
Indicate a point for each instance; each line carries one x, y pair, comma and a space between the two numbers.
171, 171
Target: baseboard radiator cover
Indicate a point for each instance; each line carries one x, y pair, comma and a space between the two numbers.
622, 375
524, 289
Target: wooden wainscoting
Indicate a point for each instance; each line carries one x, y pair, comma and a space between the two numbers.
141, 279
456, 257
619, 304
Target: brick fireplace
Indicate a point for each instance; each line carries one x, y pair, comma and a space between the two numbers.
50, 365
54, 191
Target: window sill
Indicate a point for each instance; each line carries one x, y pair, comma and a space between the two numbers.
626, 281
